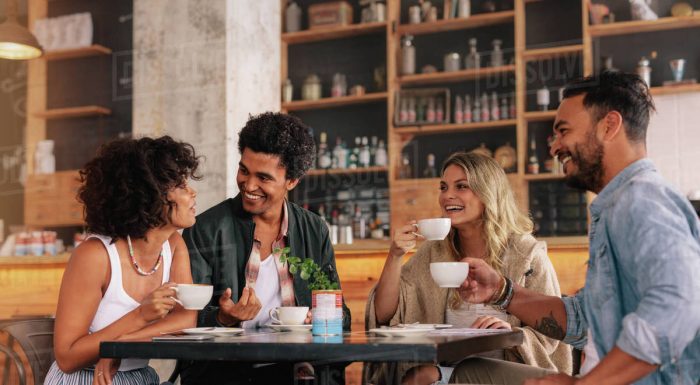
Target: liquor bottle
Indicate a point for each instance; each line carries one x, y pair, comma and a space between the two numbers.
504, 109
430, 171
511, 106
473, 60
380, 158
324, 156
411, 110
495, 110
439, 111
543, 98
533, 164
373, 150
497, 53
405, 171
359, 224
459, 113
403, 111
337, 154
468, 113
485, 110
364, 157
354, 158
476, 112
430, 111
420, 110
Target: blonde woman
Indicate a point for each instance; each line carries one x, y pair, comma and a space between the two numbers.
486, 223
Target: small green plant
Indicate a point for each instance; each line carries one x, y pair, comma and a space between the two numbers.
308, 270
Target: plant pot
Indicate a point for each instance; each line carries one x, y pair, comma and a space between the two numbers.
327, 312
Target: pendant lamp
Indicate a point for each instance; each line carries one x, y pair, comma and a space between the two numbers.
16, 42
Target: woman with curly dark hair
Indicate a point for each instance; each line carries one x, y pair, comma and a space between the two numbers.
118, 284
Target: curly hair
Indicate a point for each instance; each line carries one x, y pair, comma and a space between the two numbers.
281, 135
124, 189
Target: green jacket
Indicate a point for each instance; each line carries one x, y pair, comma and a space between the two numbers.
220, 243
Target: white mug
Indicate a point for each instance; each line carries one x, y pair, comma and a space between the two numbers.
433, 229
193, 296
289, 315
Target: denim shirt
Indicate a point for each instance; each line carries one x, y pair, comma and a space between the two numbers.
642, 291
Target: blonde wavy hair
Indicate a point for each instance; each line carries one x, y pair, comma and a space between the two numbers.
501, 219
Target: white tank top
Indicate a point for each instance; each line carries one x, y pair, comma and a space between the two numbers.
116, 303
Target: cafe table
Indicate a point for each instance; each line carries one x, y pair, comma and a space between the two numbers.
266, 345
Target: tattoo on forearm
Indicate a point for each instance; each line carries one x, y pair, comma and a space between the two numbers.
550, 327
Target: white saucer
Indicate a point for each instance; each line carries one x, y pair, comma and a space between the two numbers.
400, 332
425, 326
290, 328
214, 331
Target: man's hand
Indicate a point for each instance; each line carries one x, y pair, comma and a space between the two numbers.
245, 309
554, 379
481, 283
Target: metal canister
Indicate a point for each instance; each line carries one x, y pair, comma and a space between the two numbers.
451, 62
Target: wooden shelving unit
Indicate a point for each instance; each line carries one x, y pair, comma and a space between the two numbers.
544, 176
630, 27
455, 76
539, 116
309, 36
679, 89
346, 171
301, 105
93, 50
552, 52
73, 112
447, 128
445, 25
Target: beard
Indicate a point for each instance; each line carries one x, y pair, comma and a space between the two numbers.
588, 158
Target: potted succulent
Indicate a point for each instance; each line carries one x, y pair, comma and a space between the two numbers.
326, 297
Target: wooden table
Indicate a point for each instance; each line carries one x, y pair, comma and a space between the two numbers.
264, 346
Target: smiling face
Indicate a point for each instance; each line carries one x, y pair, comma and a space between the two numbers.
183, 211
262, 182
457, 200
577, 146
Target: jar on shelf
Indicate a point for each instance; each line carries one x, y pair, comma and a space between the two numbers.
292, 17
451, 62
311, 90
287, 91
505, 156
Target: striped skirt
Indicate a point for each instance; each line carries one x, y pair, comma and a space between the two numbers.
143, 376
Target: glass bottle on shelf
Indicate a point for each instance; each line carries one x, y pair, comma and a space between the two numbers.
430, 111
292, 17
485, 110
354, 158
504, 108
359, 224
476, 112
324, 156
373, 150
420, 110
408, 56
459, 112
430, 171
533, 163
380, 158
543, 98
439, 111
364, 157
412, 110
497, 53
473, 60
405, 170
495, 109
403, 111
511, 106
340, 155
468, 113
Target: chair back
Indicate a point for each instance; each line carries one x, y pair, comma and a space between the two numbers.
35, 336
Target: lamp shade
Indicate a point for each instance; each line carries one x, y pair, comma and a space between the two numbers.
16, 42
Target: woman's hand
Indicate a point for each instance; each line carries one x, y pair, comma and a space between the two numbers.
159, 303
404, 240
309, 318
490, 322
105, 370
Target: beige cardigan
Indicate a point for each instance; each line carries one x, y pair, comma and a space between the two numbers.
421, 300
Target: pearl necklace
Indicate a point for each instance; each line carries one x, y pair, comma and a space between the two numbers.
136, 265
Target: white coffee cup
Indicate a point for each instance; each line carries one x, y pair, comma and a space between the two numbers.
434, 229
193, 296
289, 315
449, 274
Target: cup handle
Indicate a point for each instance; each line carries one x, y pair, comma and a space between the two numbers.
175, 298
273, 313
416, 233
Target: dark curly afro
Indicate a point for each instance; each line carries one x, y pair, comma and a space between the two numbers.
124, 189
282, 135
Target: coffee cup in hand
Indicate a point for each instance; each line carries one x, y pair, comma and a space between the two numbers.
449, 274
289, 315
433, 229
193, 296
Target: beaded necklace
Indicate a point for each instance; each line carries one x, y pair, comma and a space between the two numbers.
136, 265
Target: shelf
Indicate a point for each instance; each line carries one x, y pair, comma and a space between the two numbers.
679, 89
353, 30
362, 246
73, 112
59, 259
566, 242
475, 21
552, 52
337, 171
445, 128
74, 53
640, 26
301, 105
455, 76
540, 116
543, 176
